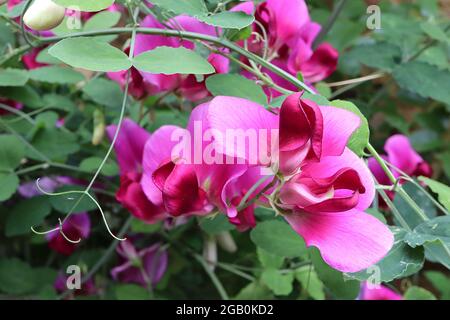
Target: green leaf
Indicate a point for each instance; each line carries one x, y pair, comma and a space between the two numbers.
28, 213
254, 291
27, 95
190, 7
216, 224
44, 57
104, 92
333, 279
168, 60
269, 260
54, 143
85, 5
65, 203
279, 283
417, 293
59, 102
140, 226
323, 89
12, 151
13, 77
16, 277
382, 56
131, 292
310, 282
422, 201
317, 98
56, 74
424, 79
228, 19
400, 262
360, 138
440, 189
430, 231
102, 20
90, 54
9, 185
434, 32
441, 282
235, 85
278, 238
91, 164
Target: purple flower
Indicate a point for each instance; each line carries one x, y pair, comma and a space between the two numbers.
143, 267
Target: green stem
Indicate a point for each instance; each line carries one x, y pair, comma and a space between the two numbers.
393, 179
329, 25
192, 36
223, 294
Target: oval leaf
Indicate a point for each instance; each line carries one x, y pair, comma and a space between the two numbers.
169, 60
278, 238
228, 19
90, 54
360, 138
85, 5
235, 85
13, 77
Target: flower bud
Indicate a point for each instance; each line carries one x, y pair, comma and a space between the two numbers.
44, 15
210, 252
226, 242
99, 127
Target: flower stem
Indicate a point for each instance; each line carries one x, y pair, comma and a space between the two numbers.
393, 179
192, 36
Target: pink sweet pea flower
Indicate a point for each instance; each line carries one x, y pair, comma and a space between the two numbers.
77, 226
129, 149
168, 182
144, 267
291, 35
379, 293
49, 184
327, 187
401, 155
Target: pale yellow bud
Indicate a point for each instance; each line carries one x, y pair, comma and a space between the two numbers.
44, 15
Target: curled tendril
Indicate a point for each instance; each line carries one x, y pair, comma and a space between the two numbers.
64, 235
61, 223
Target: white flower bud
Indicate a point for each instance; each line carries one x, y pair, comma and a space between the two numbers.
44, 15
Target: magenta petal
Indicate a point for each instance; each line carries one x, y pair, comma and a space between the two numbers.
157, 151
401, 154
349, 242
247, 7
380, 293
129, 145
337, 131
180, 189
322, 63
328, 166
243, 117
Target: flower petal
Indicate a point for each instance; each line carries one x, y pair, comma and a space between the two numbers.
339, 125
349, 242
129, 145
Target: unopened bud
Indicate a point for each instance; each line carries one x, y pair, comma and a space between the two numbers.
44, 15
226, 242
99, 127
210, 252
